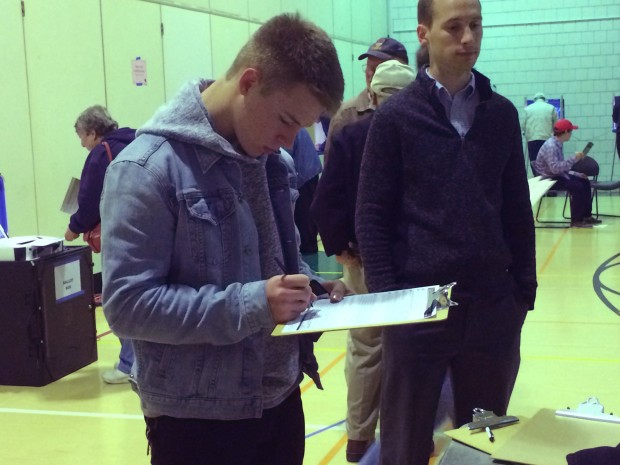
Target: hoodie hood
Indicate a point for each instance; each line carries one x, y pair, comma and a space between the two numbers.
123, 135
185, 119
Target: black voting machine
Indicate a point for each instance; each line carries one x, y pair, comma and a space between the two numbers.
47, 317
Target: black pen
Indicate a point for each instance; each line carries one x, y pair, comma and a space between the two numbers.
303, 317
488, 430
283, 269
317, 287
280, 265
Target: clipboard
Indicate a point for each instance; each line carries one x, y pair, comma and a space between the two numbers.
546, 439
479, 439
406, 306
70, 202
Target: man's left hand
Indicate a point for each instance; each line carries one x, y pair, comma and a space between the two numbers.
337, 290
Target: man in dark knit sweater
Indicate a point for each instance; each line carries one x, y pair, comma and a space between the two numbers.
443, 197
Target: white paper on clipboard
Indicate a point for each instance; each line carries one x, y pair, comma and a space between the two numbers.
365, 310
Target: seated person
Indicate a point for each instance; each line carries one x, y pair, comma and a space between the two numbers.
550, 163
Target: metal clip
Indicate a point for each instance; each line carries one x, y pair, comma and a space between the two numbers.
487, 419
440, 300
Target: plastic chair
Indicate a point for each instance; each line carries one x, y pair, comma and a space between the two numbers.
589, 166
559, 223
556, 223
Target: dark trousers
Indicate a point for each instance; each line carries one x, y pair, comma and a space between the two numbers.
533, 147
580, 196
480, 342
307, 229
276, 438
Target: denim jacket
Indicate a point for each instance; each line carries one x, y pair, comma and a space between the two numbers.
181, 270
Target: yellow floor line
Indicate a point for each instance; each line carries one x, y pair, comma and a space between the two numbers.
334, 450
333, 363
328, 349
570, 359
580, 324
552, 252
62, 413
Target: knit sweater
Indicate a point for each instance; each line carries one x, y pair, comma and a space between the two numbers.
433, 208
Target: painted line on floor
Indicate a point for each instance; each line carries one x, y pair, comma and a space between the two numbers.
602, 290
318, 428
61, 413
342, 441
126, 416
572, 323
328, 349
552, 252
331, 365
571, 359
324, 428
334, 450
105, 333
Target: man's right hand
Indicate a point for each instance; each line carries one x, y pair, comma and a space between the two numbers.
288, 296
579, 155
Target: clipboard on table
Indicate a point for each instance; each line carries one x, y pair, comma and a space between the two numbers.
406, 306
548, 438
479, 440
545, 439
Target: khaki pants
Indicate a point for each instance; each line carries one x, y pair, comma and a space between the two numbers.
363, 373
362, 368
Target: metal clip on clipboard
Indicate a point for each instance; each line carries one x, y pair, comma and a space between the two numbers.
439, 300
590, 409
486, 419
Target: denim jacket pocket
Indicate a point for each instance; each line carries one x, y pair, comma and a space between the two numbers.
210, 206
209, 219
201, 371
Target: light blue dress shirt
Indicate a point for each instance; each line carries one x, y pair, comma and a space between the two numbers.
460, 108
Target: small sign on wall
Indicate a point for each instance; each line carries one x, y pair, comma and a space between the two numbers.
138, 71
67, 281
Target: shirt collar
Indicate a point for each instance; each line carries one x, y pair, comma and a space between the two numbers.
468, 90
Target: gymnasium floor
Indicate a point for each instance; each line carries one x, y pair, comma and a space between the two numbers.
570, 350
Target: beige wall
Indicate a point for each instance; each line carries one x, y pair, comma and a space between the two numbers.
62, 56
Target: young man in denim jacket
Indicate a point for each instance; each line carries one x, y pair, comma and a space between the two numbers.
195, 225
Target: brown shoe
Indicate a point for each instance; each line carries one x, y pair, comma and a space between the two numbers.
357, 449
581, 225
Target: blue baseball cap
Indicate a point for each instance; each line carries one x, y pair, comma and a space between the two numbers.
387, 48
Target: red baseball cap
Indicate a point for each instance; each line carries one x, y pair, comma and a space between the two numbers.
563, 125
